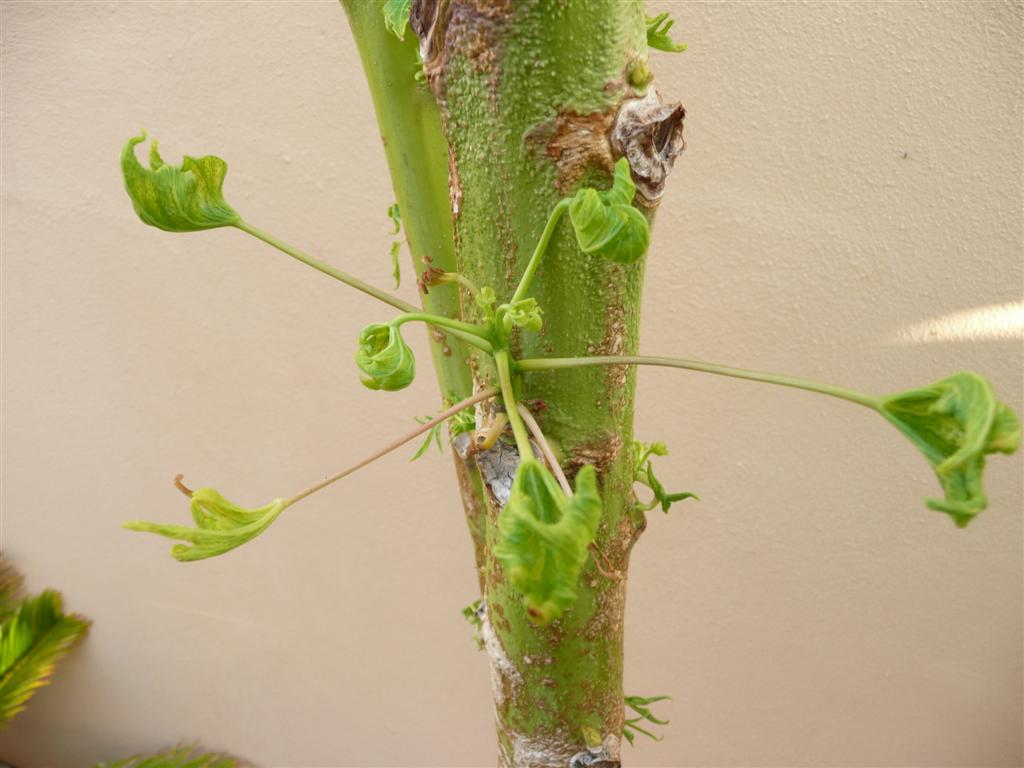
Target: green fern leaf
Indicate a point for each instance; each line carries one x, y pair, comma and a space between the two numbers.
191, 756
32, 640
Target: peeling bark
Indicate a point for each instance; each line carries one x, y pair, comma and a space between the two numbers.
649, 133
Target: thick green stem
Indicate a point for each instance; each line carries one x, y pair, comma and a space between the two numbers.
564, 363
530, 91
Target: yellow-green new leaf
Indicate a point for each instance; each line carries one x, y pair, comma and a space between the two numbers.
220, 525
544, 537
955, 423
606, 223
384, 359
32, 639
185, 198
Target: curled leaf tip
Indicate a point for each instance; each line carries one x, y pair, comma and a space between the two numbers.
220, 525
185, 198
385, 361
955, 423
544, 537
606, 223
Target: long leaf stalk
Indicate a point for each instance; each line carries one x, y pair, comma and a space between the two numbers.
565, 363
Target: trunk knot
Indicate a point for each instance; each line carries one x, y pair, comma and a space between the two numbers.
649, 134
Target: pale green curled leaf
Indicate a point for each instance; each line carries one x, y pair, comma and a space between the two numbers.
192, 756
33, 638
220, 525
544, 537
472, 614
643, 472
955, 423
396, 16
384, 359
640, 705
396, 247
606, 223
525, 313
658, 34
185, 198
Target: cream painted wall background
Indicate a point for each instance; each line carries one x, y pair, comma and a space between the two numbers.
853, 169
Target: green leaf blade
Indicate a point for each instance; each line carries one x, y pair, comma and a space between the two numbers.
221, 526
396, 16
606, 223
544, 537
186, 198
955, 423
384, 360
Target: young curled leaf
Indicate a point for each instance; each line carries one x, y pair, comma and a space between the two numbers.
185, 198
606, 222
658, 34
396, 16
544, 536
526, 314
220, 525
384, 359
955, 423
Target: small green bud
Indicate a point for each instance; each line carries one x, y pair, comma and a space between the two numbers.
526, 314
606, 222
486, 297
185, 198
221, 525
955, 423
384, 359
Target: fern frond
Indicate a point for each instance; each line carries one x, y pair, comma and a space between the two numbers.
187, 756
32, 640
10, 590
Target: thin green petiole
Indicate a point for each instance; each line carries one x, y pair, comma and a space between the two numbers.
485, 394
501, 360
447, 278
444, 322
538, 252
327, 269
555, 363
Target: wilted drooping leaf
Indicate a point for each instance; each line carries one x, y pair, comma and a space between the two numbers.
384, 359
33, 638
184, 198
606, 222
220, 525
544, 536
955, 423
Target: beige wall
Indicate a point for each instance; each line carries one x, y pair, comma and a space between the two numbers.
853, 169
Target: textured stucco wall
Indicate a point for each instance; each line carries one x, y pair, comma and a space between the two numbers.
853, 169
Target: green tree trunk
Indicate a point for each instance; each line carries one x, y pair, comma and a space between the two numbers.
523, 102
